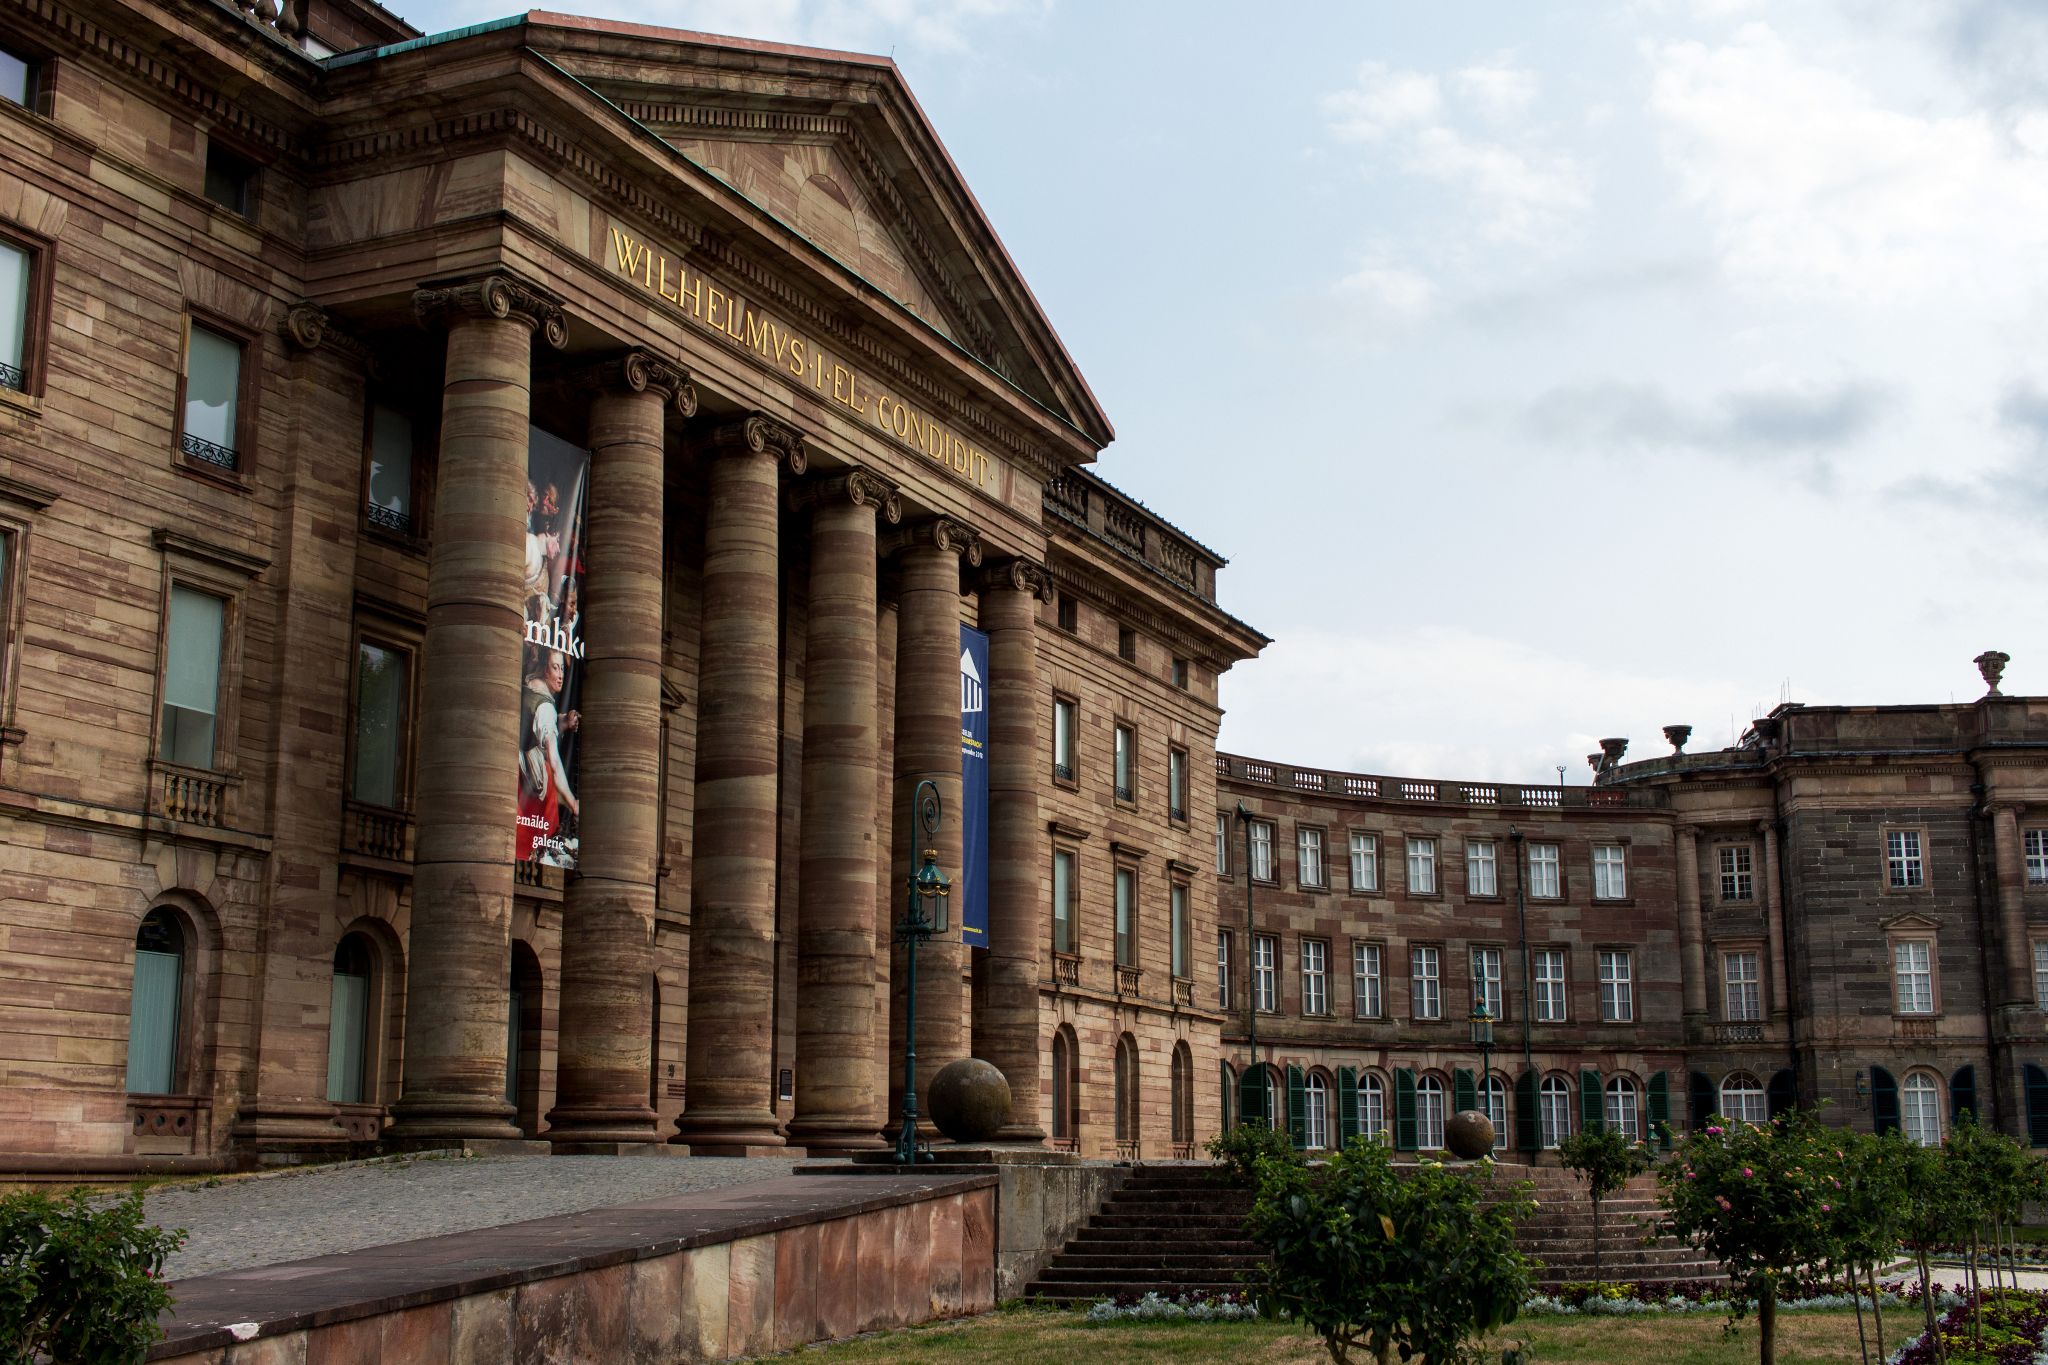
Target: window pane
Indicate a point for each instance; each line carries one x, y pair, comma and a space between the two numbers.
14, 263
391, 443
1180, 930
14, 77
213, 376
192, 677
1125, 890
1364, 863
380, 718
1543, 870
1062, 900
348, 1004
153, 1022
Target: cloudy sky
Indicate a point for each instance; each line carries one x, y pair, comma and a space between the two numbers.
1547, 371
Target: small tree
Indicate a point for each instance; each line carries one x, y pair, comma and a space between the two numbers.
1408, 1265
1238, 1152
1871, 1179
80, 1283
1606, 1159
1754, 1197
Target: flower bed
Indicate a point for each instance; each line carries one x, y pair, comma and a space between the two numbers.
2015, 1332
1701, 1296
1199, 1306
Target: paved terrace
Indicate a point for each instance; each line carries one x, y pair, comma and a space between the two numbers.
324, 1210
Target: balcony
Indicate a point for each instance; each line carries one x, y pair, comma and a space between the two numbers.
1744, 1031
376, 832
1128, 979
191, 796
1066, 970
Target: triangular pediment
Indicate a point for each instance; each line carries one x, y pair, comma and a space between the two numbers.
832, 147
1911, 923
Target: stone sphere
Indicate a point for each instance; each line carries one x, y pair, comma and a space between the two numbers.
970, 1100
1468, 1135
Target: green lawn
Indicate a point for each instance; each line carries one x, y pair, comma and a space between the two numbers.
1031, 1336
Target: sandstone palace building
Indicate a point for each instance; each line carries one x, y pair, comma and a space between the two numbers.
496, 526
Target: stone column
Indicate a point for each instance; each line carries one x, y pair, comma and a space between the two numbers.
460, 946
2011, 875
729, 1100
1692, 938
928, 748
1774, 918
836, 1106
607, 971
1010, 595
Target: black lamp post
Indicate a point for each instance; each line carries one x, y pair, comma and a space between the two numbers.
1482, 1038
924, 916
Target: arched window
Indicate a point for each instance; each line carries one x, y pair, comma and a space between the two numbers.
1183, 1095
156, 1004
1624, 1115
1276, 1108
1229, 1110
1316, 1130
523, 1038
1429, 1114
1554, 1111
1742, 1098
1372, 1106
1920, 1108
1493, 1101
348, 1020
1062, 1088
1126, 1089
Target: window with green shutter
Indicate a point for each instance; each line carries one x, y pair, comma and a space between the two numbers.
1962, 1093
1660, 1109
1404, 1110
2037, 1105
1297, 1108
1347, 1105
1591, 1120
1528, 1134
1884, 1101
1464, 1092
1699, 1098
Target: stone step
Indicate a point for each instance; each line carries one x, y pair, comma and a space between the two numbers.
1071, 1293
1229, 1262
1171, 1223
1105, 1242
1118, 1276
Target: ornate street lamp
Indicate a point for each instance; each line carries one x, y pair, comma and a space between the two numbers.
924, 916
1482, 1038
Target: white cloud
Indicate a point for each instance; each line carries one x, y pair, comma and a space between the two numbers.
1383, 101
1497, 89
1519, 192
1381, 292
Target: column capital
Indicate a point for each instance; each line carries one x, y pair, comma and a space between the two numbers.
495, 295
943, 532
759, 434
861, 487
1019, 575
309, 327
642, 371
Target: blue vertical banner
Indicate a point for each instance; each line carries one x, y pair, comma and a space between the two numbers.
970, 893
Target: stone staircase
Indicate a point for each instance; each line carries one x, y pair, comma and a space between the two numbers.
1171, 1228
1175, 1228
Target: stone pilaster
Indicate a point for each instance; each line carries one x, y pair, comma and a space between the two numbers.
837, 1105
928, 748
729, 1098
2010, 871
608, 912
1692, 938
1774, 920
1008, 1028
469, 713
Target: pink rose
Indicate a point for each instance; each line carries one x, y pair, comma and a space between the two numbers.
1747, 1173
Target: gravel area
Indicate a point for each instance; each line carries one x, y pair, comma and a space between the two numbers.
325, 1209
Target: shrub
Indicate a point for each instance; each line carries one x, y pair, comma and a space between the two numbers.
1240, 1151
1606, 1159
80, 1283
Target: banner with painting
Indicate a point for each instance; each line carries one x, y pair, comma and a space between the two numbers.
551, 662
971, 892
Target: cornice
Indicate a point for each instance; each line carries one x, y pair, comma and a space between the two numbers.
1209, 645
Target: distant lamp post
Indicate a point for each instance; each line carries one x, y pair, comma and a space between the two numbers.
924, 916
1482, 1038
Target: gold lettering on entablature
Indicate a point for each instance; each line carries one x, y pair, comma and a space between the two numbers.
720, 310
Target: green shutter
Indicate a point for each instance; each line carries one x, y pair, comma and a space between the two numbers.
1251, 1106
1781, 1096
1528, 1136
1297, 1107
1962, 1094
1347, 1105
1464, 1092
1660, 1109
2037, 1105
1404, 1110
1591, 1115
1884, 1101
1699, 1098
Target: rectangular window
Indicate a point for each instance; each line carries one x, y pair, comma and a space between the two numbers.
1262, 850
1544, 883
1183, 942
1902, 858
230, 179
1063, 890
1550, 989
17, 79
1738, 883
2041, 976
388, 499
17, 274
1176, 784
1617, 988
1126, 917
378, 772
1610, 878
1265, 981
1481, 871
1913, 974
1425, 984
1741, 987
1309, 849
1126, 763
1222, 844
1222, 969
1486, 981
1422, 867
192, 659
1315, 976
1365, 862
1180, 674
2037, 857
213, 397
1069, 613
1064, 730
1366, 999
1127, 644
